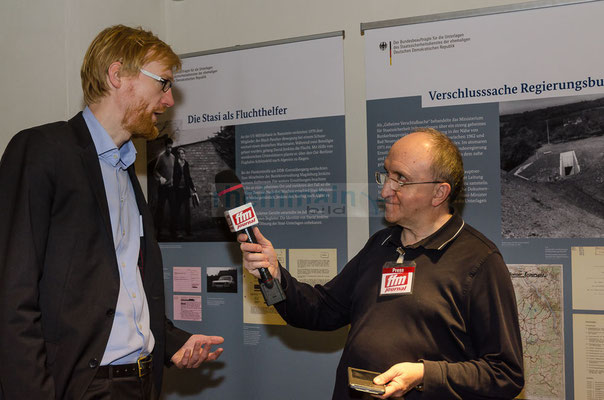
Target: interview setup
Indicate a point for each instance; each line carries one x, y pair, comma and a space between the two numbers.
211, 202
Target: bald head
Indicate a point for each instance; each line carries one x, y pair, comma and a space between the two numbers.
442, 155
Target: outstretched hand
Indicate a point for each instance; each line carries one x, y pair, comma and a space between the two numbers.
196, 350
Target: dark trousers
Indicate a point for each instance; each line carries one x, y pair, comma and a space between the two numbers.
165, 194
182, 206
132, 387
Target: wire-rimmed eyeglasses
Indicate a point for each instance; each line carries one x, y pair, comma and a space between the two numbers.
166, 84
382, 178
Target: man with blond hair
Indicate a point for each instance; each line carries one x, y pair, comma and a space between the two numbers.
429, 300
82, 311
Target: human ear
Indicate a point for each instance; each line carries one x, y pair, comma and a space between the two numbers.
113, 74
441, 193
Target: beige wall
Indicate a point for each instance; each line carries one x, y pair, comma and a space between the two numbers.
42, 43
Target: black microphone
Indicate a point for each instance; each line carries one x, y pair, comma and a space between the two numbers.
241, 218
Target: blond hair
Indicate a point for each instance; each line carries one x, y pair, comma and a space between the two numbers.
133, 47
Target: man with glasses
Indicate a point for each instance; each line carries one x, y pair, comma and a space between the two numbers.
429, 300
82, 311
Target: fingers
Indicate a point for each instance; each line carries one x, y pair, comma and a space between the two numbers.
202, 354
392, 391
242, 238
260, 238
215, 339
201, 349
197, 350
400, 378
215, 354
196, 358
250, 247
253, 258
253, 266
392, 388
263, 245
184, 360
206, 356
385, 377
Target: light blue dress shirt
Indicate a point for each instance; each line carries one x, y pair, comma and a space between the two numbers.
131, 335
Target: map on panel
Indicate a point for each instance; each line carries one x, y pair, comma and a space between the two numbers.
538, 289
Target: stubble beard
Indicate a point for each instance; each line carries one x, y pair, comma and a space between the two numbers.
139, 122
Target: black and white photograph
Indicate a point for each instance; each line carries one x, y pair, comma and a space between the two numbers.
182, 196
221, 279
552, 167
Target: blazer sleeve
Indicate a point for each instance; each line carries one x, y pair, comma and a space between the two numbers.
26, 179
175, 339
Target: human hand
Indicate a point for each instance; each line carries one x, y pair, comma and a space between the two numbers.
259, 255
400, 378
197, 350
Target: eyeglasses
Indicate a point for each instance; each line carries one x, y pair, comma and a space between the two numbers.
166, 84
382, 178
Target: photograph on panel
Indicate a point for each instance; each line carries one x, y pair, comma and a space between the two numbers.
221, 279
552, 167
181, 171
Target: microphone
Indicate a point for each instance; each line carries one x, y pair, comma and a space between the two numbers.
241, 218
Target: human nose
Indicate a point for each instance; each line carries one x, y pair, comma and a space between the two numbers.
168, 99
386, 189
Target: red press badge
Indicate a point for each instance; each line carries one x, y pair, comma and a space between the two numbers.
397, 278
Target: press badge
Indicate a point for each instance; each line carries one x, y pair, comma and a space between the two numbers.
397, 278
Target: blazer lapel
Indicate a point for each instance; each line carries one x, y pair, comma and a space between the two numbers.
147, 224
90, 161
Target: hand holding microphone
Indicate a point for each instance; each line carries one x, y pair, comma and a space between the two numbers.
259, 255
241, 218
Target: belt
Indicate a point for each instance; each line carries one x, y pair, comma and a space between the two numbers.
142, 367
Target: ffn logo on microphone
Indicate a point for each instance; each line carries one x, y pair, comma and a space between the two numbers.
241, 217
244, 216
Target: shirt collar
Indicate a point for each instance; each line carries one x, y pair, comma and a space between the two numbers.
437, 241
105, 147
